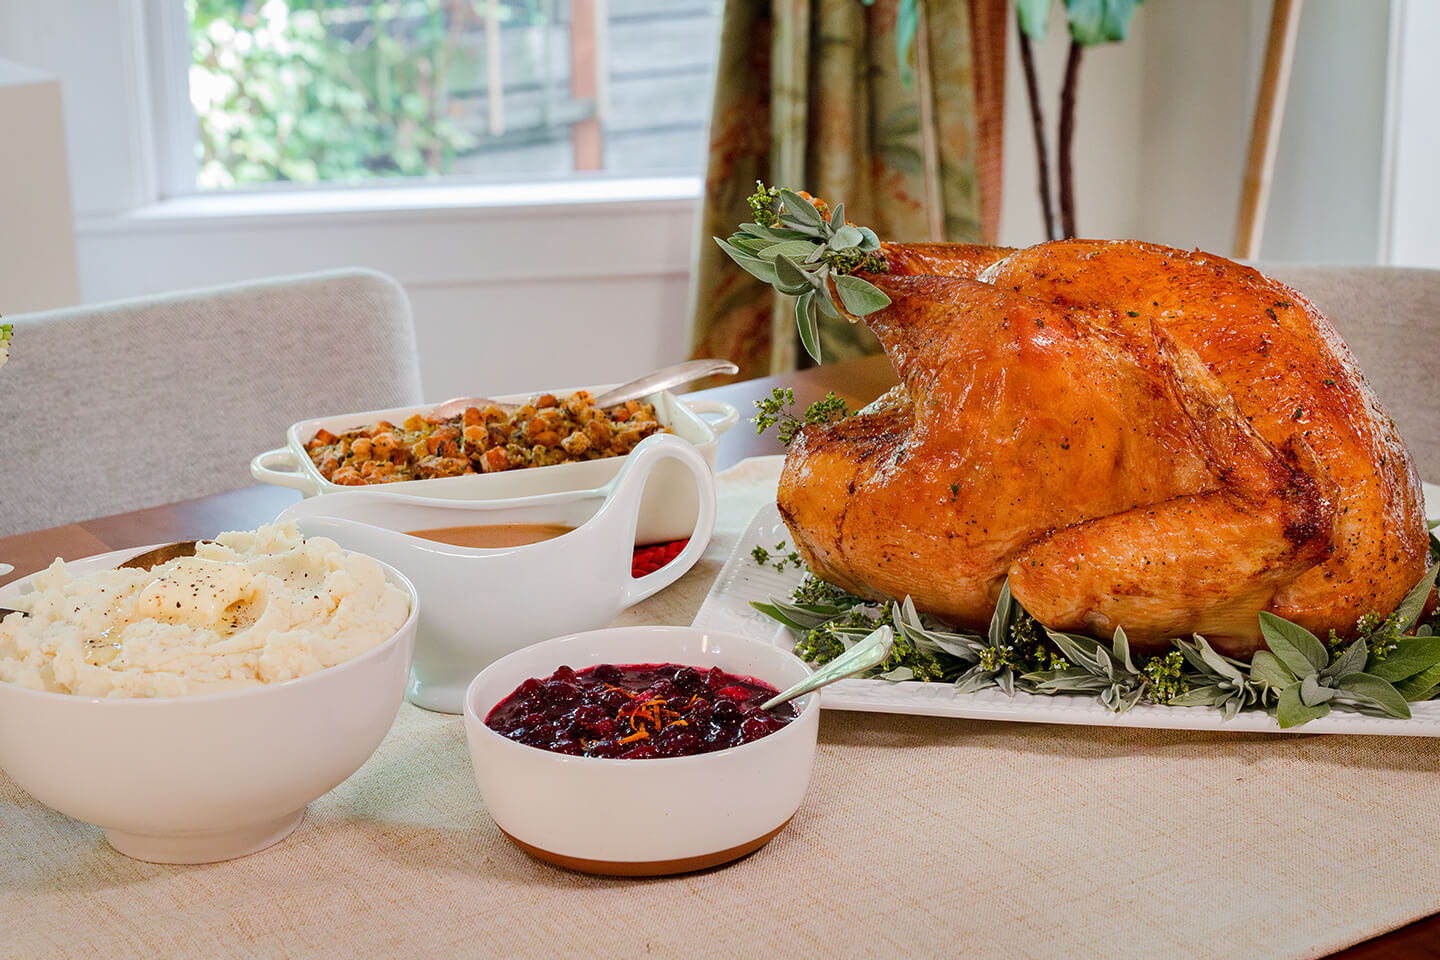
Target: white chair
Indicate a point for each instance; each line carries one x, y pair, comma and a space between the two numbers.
118, 406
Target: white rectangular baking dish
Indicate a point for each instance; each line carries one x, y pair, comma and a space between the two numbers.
667, 511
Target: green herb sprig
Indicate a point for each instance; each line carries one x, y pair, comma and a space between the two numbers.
797, 248
6, 332
1299, 678
775, 409
779, 559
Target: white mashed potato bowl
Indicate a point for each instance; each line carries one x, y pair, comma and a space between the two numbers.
208, 777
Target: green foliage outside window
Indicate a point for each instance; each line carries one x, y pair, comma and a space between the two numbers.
308, 90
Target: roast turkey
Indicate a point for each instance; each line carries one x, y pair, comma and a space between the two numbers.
1133, 435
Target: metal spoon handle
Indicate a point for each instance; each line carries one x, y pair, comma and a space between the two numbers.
663, 380
864, 655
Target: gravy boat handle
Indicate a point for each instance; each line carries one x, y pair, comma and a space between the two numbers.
625, 500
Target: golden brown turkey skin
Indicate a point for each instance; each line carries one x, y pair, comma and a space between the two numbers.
1114, 427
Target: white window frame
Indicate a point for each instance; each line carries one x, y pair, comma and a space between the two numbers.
166, 38
175, 128
1410, 192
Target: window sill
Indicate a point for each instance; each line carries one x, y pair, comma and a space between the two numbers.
403, 204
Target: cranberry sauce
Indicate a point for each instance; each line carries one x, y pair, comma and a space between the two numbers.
638, 711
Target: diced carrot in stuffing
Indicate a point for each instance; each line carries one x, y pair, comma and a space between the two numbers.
495, 459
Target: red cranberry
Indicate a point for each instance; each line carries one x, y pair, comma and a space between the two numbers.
560, 691
613, 700
754, 727
608, 749
676, 742
604, 729
688, 680
587, 715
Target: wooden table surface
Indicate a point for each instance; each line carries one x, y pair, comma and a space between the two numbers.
858, 381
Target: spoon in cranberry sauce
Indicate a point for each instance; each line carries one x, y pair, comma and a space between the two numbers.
864, 655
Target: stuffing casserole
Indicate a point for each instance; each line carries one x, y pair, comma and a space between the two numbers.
540, 433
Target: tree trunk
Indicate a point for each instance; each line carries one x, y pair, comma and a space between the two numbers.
1067, 139
1037, 123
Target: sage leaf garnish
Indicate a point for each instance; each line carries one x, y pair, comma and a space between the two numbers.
800, 247
789, 273
1000, 619
800, 209
808, 325
1414, 603
860, 296
763, 270
1292, 711
1351, 661
1422, 686
1365, 689
1412, 656
1312, 694
1267, 668
1297, 648
790, 249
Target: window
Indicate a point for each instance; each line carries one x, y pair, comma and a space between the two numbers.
352, 90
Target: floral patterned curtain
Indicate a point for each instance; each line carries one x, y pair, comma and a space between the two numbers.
809, 95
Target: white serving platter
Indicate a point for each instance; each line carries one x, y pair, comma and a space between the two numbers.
741, 580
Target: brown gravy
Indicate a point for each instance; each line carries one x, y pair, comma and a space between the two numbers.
494, 535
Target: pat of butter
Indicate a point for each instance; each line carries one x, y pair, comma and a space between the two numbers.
195, 591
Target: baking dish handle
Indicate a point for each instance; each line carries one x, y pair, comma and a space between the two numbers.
729, 416
280, 467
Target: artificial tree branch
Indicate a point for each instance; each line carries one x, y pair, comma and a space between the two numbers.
1037, 123
1067, 138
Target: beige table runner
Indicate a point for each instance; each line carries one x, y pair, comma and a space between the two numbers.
918, 837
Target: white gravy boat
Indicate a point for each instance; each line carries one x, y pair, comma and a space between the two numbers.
478, 604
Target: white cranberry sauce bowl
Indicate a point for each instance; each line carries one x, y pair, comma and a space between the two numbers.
642, 816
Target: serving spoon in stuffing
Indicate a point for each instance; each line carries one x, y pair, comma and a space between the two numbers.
662, 379
864, 655
141, 561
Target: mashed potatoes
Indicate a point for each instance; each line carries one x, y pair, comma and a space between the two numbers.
248, 609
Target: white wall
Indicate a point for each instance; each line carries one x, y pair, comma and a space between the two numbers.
1202, 67
1411, 233
37, 240
511, 295
1108, 161
1326, 197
